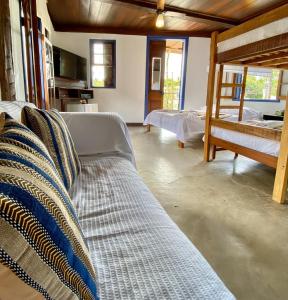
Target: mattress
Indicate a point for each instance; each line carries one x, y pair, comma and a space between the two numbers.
185, 125
263, 145
138, 252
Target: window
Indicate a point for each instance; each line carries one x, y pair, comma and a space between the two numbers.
261, 84
102, 63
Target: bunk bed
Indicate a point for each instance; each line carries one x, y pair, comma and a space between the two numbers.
261, 42
187, 125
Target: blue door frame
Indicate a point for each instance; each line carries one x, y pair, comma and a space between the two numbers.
184, 67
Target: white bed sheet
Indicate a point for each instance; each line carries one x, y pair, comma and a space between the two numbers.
185, 125
263, 145
188, 124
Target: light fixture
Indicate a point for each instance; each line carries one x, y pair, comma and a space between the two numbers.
160, 20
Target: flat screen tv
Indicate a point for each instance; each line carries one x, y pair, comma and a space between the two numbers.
69, 65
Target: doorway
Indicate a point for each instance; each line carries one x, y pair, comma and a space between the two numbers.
165, 73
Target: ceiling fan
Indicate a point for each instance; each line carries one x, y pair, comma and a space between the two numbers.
160, 14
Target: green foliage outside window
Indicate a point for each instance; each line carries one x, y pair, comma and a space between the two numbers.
262, 87
98, 83
171, 93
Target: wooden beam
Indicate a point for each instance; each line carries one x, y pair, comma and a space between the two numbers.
263, 132
210, 94
266, 159
160, 4
280, 183
243, 88
36, 54
227, 97
7, 77
279, 85
225, 84
28, 44
219, 90
176, 9
272, 44
269, 17
218, 101
281, 67
129, 30
2, 120
229, 106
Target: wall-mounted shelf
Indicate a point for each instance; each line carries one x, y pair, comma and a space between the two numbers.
72, 95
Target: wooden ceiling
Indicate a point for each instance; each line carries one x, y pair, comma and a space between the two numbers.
191, 17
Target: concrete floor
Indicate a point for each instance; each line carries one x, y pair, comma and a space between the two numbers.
224, 207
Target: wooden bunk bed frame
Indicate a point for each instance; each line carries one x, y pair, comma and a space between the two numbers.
268, 53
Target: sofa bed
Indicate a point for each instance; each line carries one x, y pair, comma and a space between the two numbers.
136, 250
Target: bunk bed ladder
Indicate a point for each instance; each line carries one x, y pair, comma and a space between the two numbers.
219, 97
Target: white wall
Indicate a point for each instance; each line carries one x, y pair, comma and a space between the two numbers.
197, 74
266, 107
128, 97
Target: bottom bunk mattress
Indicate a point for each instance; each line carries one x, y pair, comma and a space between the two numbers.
256, 143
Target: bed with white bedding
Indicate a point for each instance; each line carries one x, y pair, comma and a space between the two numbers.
188, 124
267, 146
185, 125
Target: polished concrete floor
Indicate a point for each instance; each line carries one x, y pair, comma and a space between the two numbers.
224, 207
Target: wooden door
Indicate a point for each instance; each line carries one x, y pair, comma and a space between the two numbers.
156, 75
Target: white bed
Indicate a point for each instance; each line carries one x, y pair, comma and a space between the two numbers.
263, 145
188, 124
185, 125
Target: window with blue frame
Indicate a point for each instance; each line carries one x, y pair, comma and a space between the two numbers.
261, 85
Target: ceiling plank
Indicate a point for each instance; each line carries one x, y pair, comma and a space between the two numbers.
129, 30
263, 11
227, 22
269, 17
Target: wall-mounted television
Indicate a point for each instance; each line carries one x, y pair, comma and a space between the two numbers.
69, 65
